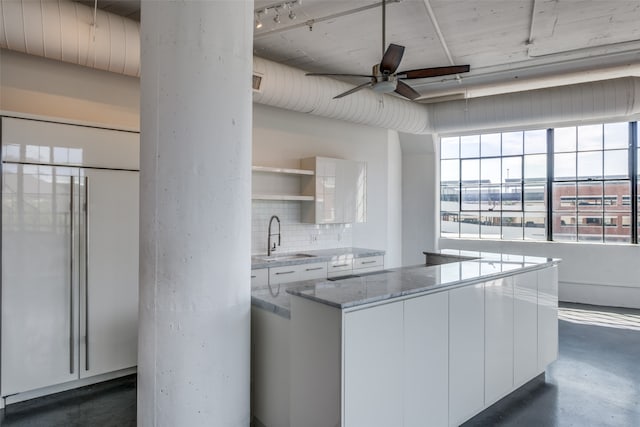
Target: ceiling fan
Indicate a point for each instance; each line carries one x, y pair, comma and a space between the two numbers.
383, 77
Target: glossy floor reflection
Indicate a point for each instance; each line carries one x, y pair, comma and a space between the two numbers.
110, 404
595, 382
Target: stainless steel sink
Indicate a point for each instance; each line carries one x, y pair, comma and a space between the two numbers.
292, 257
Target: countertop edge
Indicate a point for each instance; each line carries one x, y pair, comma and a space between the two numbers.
423, 291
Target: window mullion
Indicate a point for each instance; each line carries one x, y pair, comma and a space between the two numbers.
633, 177
550, 176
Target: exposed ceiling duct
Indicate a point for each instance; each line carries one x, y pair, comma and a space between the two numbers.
64, 31
616, 99
289, 88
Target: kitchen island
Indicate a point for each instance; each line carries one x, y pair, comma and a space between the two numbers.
432, 344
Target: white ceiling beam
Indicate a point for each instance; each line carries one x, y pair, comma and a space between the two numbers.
436, 27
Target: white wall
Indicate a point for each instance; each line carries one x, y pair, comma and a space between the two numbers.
44, 87
394, 200
282, 138
419, 171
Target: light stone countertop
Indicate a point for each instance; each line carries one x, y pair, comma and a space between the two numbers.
321, 255
399, 282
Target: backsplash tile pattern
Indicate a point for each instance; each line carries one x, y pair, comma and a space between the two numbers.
296, 236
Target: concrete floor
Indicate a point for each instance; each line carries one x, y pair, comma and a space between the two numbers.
594, 382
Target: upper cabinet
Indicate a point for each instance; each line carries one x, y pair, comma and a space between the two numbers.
339, 188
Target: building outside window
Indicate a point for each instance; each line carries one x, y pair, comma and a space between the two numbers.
495, 186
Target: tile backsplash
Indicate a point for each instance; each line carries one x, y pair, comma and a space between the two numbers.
295, 236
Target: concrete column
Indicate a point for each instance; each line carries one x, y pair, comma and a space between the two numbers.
195, 208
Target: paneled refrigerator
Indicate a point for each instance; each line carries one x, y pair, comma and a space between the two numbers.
69, 271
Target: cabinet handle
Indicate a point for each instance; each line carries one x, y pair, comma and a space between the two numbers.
253, 277
314, 269
340, 265
367, 262
284, 272
71, 331
86, 271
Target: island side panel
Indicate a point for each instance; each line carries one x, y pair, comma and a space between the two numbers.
270, 350
547, 317
315, 361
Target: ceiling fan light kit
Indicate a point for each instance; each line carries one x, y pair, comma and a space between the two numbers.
384, 79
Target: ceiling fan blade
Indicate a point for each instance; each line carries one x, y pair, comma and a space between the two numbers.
406, 91
391, 59
337, 74
355, 89
433, 72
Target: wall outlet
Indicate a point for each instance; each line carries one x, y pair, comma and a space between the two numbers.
313, 238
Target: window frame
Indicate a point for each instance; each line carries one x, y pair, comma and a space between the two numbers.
600, 204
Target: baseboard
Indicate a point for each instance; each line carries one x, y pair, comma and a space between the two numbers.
28, 395
607, 295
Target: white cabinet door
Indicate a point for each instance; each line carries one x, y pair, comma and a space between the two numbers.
466, 352
547, 317
498, 356
259, 277
525, 350
110, 317
426, 361
373, 380
368, 264
286, 274
39, 280
339, 189
315, 270
341, 265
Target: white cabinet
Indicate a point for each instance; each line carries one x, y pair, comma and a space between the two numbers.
373, 380
498, 358
340, 266
547, 317
368, 264
466, 352
259, 277
339, 189
295, 273
110, 294
435, 359
70, 282
525, 334
316, 270
346, 264
39, 277
70, 278
426, 361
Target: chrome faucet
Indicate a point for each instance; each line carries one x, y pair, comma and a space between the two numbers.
269, 248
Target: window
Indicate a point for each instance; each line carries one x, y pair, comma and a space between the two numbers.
590, 181
500, 185
493, 185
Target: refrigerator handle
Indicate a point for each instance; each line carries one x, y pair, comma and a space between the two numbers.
71, 330
86, 271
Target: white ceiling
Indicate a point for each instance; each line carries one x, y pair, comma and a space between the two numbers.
510, 44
